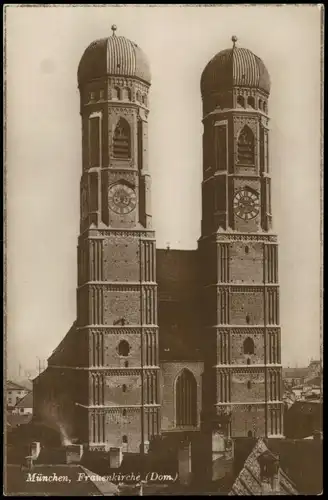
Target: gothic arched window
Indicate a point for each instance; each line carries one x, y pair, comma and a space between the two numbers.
123, 348
249, 346
246, 147
186, 399
251, 102
241, 101
116, 93
122, 140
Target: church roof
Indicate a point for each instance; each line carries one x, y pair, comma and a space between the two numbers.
113, 56
234, 67
295, 457
248, 481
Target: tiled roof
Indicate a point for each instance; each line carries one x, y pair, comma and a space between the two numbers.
17, 484
26, 401
13, 386
115, 55
248, 481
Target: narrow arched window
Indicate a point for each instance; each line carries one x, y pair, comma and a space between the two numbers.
241, 101
126, 94
265, 107
186, 399
260, 104
124, 439
249, 385
251, 102
124, 388
124, 413
123, 348
249, 434
249, 346
116, 93
122, 140
246, 147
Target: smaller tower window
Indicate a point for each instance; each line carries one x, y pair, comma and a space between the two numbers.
116, 93
92, 96
101, 94
249, 385
248, 346
122, 140
249, 434
265, 107
123, 348
246, 147
260, 104
241, 101
124, 413
124, 388
246, 249
248, 361
126, 364
124, 439
247, 319
138, 98
251, 102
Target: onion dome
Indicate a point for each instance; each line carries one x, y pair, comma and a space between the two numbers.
113, 56
235, 67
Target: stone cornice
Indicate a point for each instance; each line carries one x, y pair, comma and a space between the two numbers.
237, 287
250, 403
119, 285
119, 329
246, 328
102, 408
107, 370
142, 233
247, 368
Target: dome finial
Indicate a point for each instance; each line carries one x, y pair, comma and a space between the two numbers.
234, 40
114, 28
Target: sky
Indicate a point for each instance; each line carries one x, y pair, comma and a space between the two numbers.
43, 152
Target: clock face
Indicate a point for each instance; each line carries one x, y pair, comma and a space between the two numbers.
121, 199
246, 204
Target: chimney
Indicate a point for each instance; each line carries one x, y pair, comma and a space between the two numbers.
35, 449
115, 457
269, 470
74, 453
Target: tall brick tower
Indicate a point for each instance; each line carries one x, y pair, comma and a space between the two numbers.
239, 252
117, 291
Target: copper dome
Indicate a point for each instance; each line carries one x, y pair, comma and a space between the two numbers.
115, 55
235, 67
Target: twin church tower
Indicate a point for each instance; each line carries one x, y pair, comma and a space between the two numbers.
169, 340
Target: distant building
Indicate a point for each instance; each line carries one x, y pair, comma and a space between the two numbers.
24, 405
14, 393
303, 419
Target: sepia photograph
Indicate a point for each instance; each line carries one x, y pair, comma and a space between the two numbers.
163, 241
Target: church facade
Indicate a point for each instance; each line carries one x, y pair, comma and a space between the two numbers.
169, 341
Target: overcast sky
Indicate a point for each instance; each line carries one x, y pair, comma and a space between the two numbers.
44, 46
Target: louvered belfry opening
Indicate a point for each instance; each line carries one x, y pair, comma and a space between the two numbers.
122, 140
246, 152
186, 400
